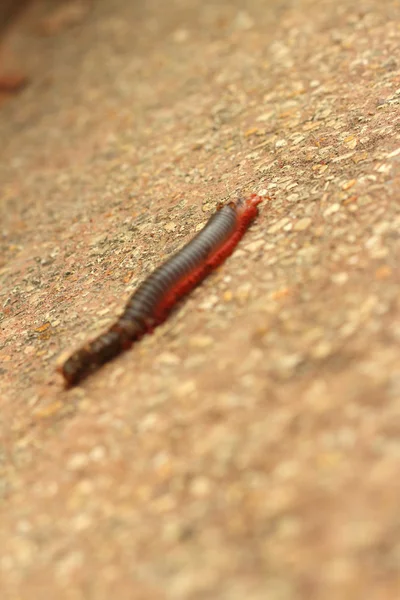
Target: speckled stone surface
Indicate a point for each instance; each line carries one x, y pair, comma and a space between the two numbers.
249, 448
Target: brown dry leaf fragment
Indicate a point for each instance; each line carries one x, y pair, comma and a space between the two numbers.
350, 200
43, 327
49, 411
348, 184
282, 293
128, 277
251, 131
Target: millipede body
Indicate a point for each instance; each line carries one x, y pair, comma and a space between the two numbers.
150, 304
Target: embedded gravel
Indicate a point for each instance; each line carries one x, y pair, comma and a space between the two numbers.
249, 448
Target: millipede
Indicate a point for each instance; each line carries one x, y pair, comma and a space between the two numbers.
151, 303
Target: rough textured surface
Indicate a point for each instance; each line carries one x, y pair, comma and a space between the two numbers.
250, 447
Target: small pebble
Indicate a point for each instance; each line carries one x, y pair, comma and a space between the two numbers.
266, 116
186, 388
180, 36
209, 302
167, 358
321, 350
200, 341
334, 208
77, 461
171, 226
228, 295
340, 278
243, 292
30, 350
302, 224
279, 225
200, 487
394, 153
254, 246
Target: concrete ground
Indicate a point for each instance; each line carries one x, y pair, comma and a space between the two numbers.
249, 448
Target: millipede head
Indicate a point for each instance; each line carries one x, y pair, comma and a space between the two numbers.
254, 200
247, 207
